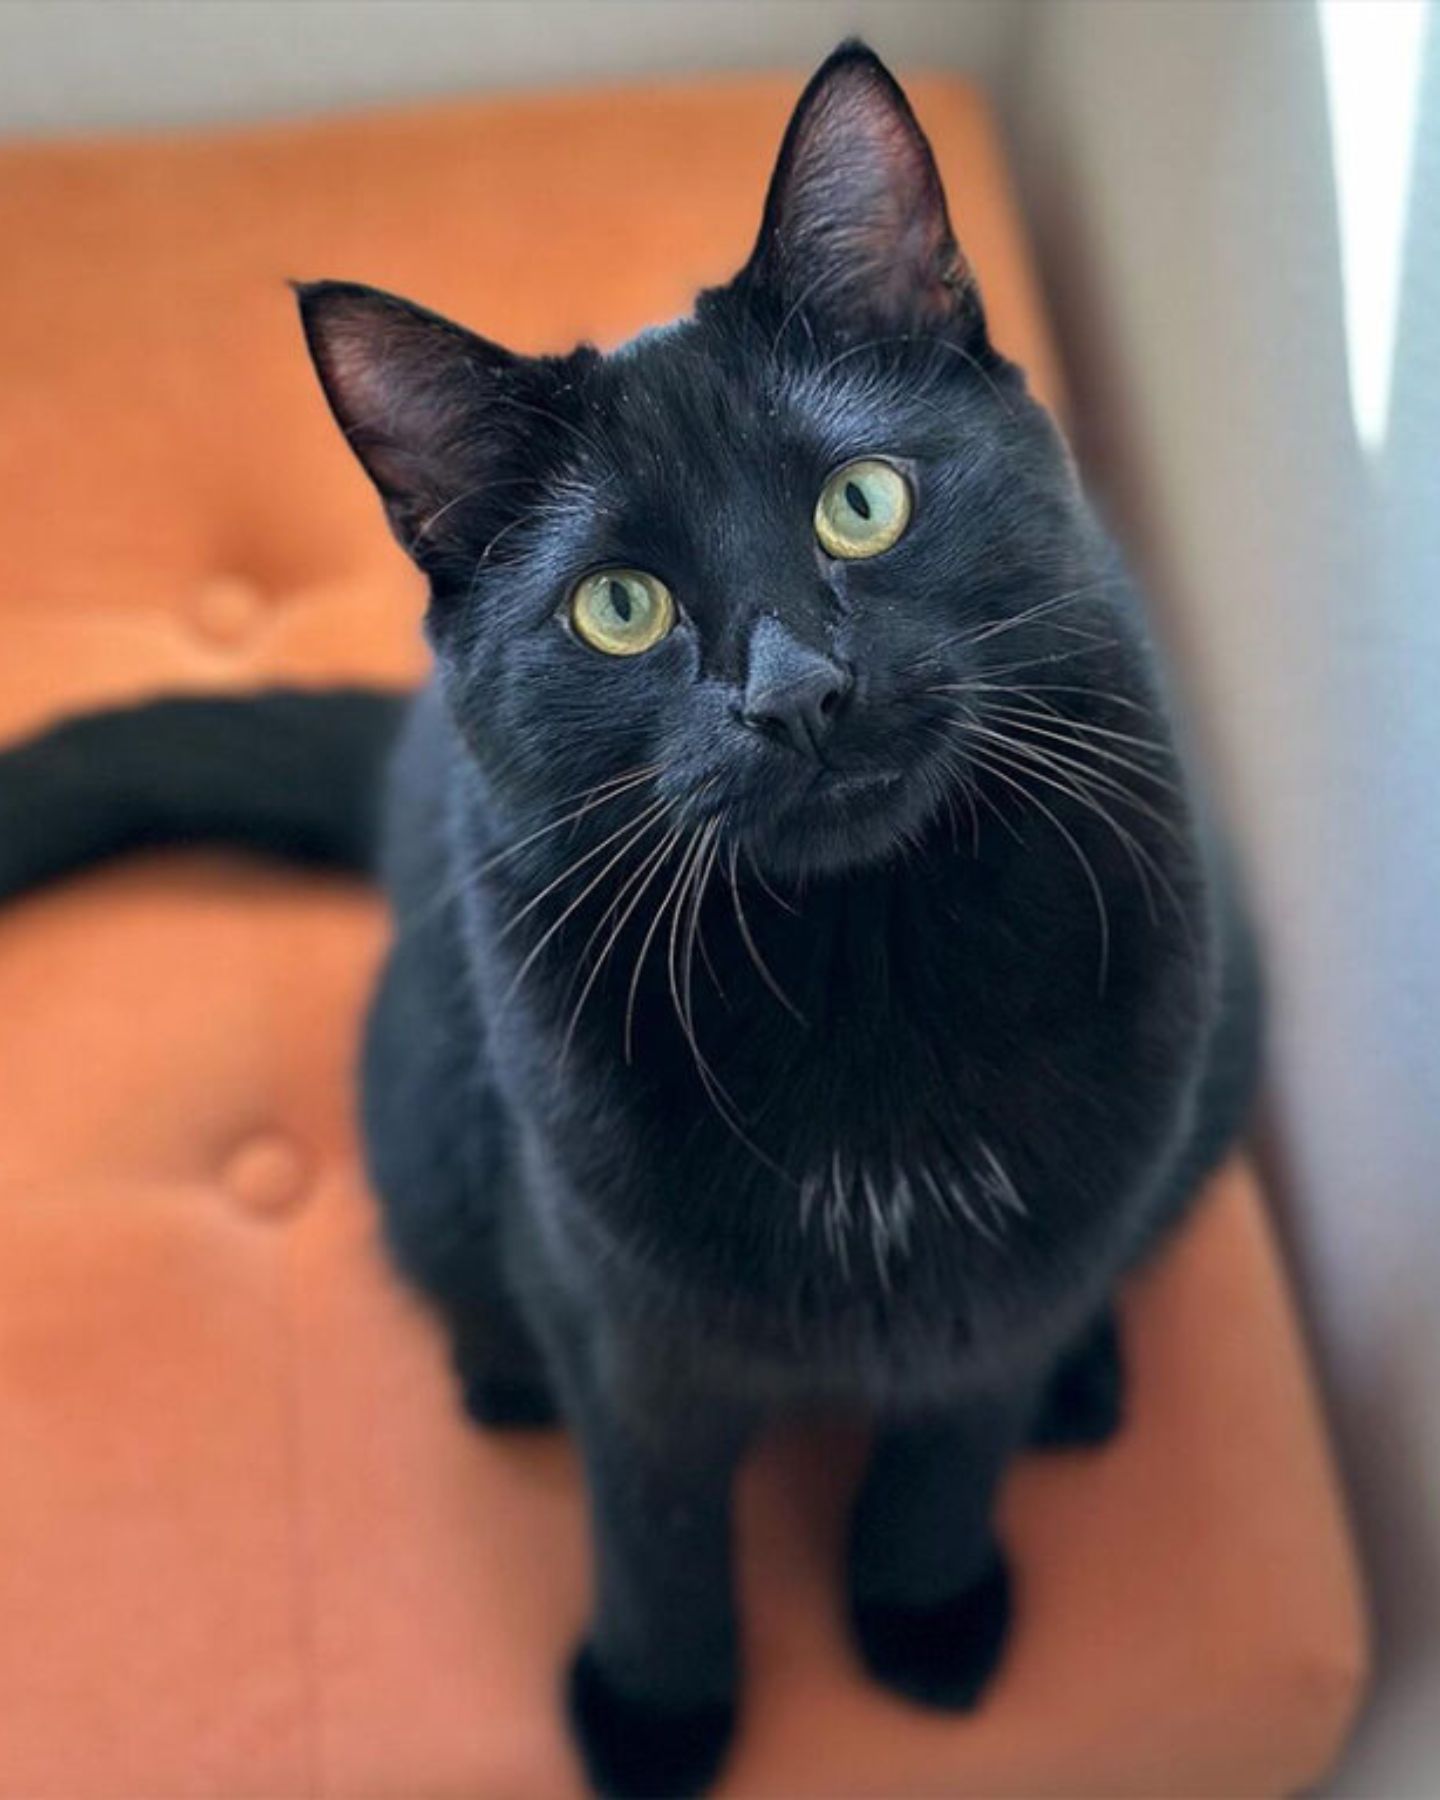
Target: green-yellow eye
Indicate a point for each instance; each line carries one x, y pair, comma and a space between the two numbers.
622, 611
863, 509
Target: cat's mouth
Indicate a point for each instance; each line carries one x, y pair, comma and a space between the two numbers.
840, 787
837, 819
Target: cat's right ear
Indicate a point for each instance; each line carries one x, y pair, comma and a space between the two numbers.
856, 235
422, 403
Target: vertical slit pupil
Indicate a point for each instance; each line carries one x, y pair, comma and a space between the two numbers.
855, 499
620, 601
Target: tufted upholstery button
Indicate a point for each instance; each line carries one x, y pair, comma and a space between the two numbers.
226, 608
267, 1174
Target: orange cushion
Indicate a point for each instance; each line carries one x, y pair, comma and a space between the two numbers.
250, 1548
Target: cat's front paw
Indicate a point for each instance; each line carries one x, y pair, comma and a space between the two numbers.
633, 1750
1084, 1405
942, 1655
506, 1405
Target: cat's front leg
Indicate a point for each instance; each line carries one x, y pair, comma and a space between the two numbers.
652, 1689
929, 1584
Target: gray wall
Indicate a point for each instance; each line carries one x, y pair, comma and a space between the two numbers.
1176, 161
67, 64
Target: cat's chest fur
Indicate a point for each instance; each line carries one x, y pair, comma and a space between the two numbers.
893, 1104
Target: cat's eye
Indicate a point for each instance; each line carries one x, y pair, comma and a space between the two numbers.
622, 611
863, 509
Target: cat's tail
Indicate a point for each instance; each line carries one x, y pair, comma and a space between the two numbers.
290, 772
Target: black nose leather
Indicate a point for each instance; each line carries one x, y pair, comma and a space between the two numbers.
793, 693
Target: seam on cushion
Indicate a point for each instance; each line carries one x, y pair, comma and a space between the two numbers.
302, 1555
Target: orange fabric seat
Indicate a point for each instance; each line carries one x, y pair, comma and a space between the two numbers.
250, 1548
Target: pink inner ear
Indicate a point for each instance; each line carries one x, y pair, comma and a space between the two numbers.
406, 387
355, 374
390, 375
857, 204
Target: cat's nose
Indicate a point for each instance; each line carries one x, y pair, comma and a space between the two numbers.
793, 693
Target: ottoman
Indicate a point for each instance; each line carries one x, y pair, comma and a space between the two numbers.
251, 1550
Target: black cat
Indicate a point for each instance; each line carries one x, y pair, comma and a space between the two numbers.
813, 984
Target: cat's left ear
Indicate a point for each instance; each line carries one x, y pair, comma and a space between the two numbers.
447, 425
856, 231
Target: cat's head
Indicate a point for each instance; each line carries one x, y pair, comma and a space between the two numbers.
761, 554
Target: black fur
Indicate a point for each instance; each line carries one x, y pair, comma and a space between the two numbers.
862, 1089
289, 773
1084, 1402
938, 1653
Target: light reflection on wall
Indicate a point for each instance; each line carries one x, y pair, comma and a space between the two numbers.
1373, 55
